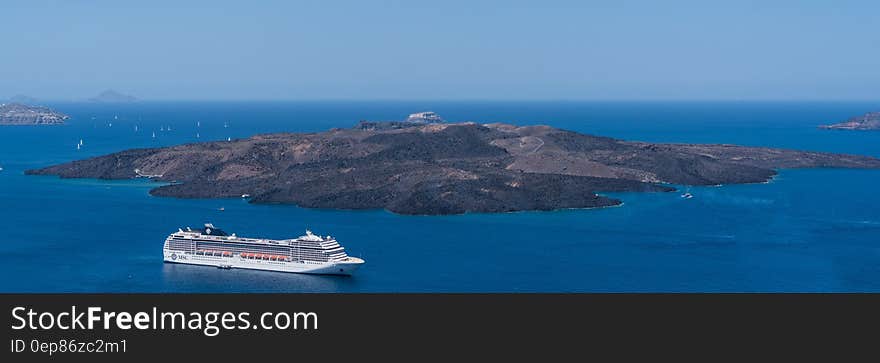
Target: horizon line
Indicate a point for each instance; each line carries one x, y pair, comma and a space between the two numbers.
498, 100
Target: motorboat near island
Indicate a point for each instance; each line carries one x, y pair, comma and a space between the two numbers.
210, 246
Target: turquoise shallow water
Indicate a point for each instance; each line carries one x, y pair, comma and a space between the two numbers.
807, 230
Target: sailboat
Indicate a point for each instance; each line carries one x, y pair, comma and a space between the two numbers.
197, 135
228, 139
226, 125
154, 134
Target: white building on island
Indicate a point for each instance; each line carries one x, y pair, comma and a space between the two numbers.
424, 117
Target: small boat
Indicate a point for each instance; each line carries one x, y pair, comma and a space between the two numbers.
245, 195
687, 195
224, 266
228, 139
221, 209
1, 168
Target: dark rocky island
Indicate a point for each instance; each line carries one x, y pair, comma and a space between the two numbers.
18, 114
868, 121
111, 96
441, 168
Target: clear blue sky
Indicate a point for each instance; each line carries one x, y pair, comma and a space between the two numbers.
593, 50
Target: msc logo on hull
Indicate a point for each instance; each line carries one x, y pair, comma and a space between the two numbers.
175, 257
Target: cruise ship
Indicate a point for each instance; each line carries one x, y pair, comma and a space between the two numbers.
211, 246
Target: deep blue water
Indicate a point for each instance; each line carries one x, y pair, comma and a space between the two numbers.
808, 230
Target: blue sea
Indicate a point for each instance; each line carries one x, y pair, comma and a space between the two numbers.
807, 230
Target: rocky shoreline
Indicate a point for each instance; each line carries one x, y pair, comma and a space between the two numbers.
868, 121
441, 168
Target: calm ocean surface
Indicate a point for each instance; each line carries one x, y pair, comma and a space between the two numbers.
808, 230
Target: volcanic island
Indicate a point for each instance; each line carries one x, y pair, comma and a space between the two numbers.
425, 165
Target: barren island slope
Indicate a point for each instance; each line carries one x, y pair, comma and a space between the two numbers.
19, 114
441, 168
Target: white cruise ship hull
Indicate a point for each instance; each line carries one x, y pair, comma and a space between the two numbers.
346, 267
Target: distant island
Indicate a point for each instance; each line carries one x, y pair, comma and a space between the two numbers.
426, 167
19, 114
111, 96
868, 121
23, 99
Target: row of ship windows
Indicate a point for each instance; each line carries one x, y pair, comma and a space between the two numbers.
235, 251
266, 250
241, 247
259, 257
274, 262
313, 245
